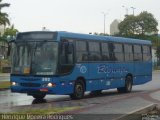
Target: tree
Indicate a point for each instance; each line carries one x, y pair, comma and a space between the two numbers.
4, 16
3, 4
158, 52
4, 19
146, 24
11, 31
127, 26
140, 25
101, 34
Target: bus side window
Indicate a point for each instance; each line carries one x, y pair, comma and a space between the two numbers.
94, 51
111, 52
146, 53
128, 51
81, 51
105, 52
118, 52
137, 53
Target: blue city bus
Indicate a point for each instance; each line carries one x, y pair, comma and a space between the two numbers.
66, 63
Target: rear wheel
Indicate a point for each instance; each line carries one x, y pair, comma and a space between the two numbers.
79, 90
128, 85
39, 96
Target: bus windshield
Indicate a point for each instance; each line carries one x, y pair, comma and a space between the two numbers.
35, 58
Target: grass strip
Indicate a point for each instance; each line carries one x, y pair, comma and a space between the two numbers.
40, 114
46, 111
4, 84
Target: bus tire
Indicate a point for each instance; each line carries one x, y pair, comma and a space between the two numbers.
128, 85
39, 96
95, 92
79, 89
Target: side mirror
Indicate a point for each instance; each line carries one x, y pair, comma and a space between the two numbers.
9, 50
10, 38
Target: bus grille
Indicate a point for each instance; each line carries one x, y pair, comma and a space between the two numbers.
30, 84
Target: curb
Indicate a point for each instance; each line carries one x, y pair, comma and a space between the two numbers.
3, 89
156, 71
137, 114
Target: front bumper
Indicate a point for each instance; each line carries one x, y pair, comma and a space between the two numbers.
37, 85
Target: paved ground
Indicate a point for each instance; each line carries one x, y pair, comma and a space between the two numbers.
4, 77
110, 103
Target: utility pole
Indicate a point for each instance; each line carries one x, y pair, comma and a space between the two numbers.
104, 23
126, 8
133, 8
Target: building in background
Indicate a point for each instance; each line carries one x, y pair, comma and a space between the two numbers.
3, 49
3, 44
114, 27
154, 57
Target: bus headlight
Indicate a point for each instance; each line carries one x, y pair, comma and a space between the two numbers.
14, 83
51, 85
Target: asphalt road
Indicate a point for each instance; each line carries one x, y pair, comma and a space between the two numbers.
107, 103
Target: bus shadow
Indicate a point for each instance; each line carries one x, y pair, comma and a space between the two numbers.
111, 93
55, 98
105, 93
39, 101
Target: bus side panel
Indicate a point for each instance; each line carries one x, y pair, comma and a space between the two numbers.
67, 81
138, 80
108, 75
147, 68
139, 68
143, 73
121, 70
99, 76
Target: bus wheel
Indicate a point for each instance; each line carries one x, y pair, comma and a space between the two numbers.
39, 96
128, 85
78, 90
96, 92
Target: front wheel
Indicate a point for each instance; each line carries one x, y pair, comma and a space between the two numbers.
39, 96
128, 85
79, 90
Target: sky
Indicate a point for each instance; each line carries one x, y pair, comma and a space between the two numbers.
82, 16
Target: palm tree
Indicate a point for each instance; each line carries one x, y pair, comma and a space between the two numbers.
10, 31
4, 20
3, 4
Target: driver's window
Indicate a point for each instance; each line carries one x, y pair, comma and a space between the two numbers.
66, 53
66, 56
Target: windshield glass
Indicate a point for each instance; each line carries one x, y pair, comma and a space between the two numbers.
36, 58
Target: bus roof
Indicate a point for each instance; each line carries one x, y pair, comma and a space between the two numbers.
93, 37
102, 38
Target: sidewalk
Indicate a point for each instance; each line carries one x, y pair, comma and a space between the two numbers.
156, 95
119, 108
